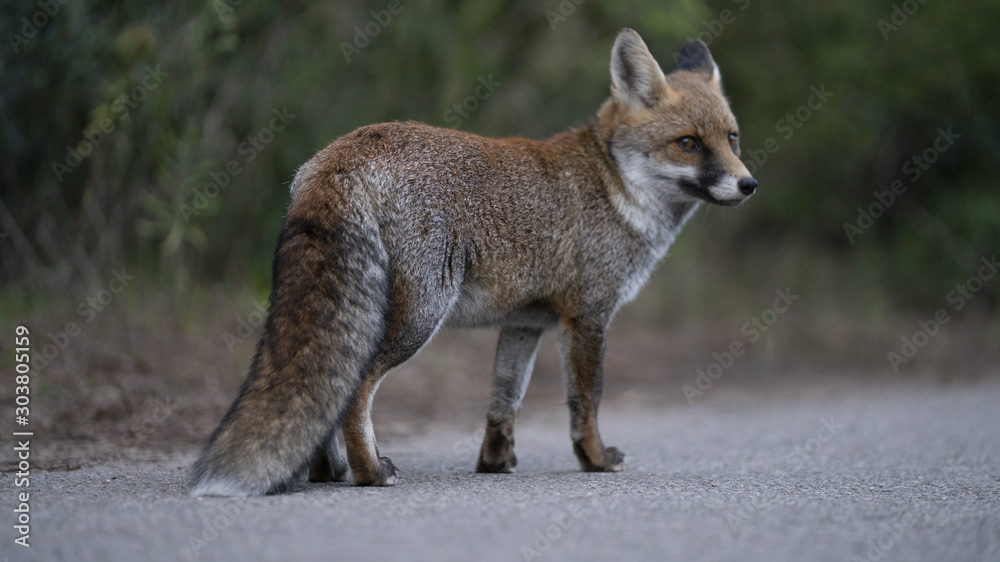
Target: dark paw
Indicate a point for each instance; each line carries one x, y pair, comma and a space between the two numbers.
503, 465
613, 461
383, 475
325, 470
497, 453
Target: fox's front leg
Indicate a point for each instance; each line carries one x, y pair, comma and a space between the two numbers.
581, 350
515, 358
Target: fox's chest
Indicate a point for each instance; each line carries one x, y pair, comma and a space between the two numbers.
478, 306
641, 268
635, 282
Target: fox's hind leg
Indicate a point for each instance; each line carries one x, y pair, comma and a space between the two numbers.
515, 358
328, 466
408, 332
368, 467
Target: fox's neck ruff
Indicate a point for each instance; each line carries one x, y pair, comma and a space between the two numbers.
650, 199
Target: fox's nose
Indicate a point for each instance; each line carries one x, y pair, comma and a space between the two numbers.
747, 186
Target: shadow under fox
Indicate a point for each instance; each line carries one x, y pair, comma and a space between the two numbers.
398, 229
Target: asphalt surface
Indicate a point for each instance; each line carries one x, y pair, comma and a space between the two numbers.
905, 472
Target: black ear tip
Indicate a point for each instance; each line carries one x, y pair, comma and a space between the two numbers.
695, 48
696, 57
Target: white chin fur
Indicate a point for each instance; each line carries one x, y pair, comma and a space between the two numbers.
649, 188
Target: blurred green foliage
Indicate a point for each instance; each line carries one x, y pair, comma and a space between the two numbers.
144, 195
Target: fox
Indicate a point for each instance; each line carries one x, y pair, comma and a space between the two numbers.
396, 230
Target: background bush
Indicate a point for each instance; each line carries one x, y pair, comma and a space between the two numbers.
230, 64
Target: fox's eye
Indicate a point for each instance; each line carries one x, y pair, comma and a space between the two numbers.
734, 142
689, 144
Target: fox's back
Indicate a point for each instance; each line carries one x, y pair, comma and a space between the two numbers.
500, 217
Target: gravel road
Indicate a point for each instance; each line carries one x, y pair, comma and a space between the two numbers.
900, 472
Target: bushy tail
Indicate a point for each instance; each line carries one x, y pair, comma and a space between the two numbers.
328, 305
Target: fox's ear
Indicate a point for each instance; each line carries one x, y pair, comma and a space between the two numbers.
636, 78
695, 57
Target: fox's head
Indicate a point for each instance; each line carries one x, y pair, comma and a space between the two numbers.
673, 136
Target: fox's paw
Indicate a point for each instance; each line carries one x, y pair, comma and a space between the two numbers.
613, 461
325, 469
504, 464
383, 475
497, 453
